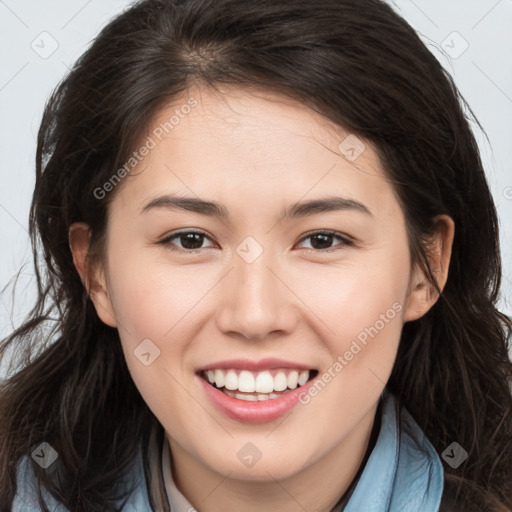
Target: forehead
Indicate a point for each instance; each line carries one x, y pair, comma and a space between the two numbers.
248, 121
239, 144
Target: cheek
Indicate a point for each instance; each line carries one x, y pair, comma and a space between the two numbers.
351, 298
364, 310
152, 308
149, 297
365, 317
157, 302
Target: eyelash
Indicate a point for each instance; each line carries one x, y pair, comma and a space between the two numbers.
345, 241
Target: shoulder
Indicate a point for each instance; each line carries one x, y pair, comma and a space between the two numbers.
26, 498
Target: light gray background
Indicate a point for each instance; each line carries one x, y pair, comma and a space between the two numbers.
39, 40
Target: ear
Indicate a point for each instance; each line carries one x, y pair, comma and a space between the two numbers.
422, 293
91, 272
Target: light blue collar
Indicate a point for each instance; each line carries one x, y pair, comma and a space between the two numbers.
403, 473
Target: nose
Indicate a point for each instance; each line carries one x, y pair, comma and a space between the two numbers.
257, 302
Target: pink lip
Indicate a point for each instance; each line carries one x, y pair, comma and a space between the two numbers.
255, 366
254, 412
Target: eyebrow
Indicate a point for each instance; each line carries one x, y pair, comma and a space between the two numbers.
299, 209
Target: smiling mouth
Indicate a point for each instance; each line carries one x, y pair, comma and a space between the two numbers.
257, 386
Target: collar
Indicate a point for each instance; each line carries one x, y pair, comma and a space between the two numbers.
404, 472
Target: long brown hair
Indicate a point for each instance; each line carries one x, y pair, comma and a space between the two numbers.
363, 67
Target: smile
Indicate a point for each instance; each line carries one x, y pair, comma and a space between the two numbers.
257, 386
250, 391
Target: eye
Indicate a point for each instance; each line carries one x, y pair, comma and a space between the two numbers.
322, 240
191, 241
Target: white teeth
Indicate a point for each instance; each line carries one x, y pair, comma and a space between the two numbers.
293, 379
251, 398
280, 382
303, 377
219, 378
231, 380
262, 383
246, 382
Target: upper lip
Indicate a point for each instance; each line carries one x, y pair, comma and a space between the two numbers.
255, 366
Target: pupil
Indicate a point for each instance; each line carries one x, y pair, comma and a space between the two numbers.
325, 238
188, 238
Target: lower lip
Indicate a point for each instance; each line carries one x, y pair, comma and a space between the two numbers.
254, 412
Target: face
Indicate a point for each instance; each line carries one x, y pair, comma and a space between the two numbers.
292, 289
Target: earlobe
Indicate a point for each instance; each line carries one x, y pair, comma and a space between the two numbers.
91, 272
422, 293
418, 302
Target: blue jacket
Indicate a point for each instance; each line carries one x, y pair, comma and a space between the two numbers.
402, 474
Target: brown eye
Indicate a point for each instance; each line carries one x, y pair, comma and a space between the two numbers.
189, 241
321, 241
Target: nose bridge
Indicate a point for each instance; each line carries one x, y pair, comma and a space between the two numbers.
256, 302
254, 282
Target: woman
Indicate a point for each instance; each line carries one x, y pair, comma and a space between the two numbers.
366, 370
